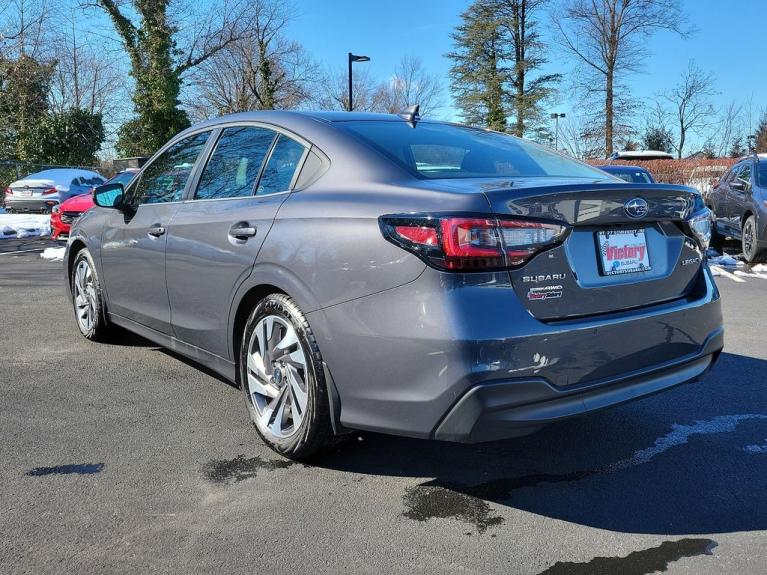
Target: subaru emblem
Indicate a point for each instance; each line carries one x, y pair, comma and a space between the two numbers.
636, 208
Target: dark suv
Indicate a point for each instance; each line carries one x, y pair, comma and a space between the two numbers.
739, 204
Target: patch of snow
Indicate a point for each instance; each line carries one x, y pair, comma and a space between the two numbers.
680, 434
24, 225
750, 275
53, 254
759, 268
725, 260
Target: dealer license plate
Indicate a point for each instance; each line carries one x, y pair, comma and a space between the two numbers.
623, 251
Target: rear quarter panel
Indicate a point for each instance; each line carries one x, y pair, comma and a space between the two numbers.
330, 242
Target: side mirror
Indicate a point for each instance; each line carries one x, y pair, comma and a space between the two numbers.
738, 185
108, 196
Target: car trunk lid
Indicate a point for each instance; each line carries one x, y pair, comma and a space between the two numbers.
626, 247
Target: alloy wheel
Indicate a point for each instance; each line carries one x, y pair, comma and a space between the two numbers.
85, 296
276, 373
748, 238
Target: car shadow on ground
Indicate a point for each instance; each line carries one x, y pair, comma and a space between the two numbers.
691, 460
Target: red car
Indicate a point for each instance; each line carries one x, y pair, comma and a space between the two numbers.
64, 215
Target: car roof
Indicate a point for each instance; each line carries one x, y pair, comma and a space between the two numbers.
292, 119
641, 155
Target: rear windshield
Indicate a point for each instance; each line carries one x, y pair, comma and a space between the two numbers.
633, 177
450, 151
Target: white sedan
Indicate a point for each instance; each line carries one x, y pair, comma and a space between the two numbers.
41, 191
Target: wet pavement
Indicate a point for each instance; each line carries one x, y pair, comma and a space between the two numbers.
125, 458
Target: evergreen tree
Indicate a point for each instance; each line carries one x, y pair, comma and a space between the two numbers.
478, 76
24, 86
69, 138
497, 49
526, 52
656, 138
760, 142
737, 150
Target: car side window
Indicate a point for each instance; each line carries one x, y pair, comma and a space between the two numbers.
729, 176
165, 178
745, 177
281, 167
234, 166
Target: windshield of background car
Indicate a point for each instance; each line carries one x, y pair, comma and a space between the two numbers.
449, 151
633, 177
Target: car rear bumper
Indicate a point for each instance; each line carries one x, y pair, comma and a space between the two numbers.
457, 356
518, 407
30, 204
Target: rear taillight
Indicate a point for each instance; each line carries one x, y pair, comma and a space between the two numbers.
701, 225
460, 243
50, 191
8, 191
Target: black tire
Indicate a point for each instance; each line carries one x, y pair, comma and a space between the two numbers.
750, 242
98, 329
314, 432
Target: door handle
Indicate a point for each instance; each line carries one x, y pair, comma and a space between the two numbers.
156, 230
242, 231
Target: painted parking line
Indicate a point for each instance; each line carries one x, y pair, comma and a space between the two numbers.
724, 273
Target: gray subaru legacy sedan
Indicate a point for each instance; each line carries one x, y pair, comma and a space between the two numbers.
389, 273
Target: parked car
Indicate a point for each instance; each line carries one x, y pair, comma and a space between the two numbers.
387, 273
41, 191
630, 174
739, 205
64, 214
641, 155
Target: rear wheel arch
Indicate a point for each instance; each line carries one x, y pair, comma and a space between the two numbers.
244, 308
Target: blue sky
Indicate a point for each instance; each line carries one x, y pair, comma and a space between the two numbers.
387, 30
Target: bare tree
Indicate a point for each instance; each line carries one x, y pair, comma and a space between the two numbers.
23, 30
580, 136
236, 79
84, 79
333, 92
691, 105
609, 38
730, 126
410, 84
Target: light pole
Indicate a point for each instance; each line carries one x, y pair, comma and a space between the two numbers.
556, 117
353, 58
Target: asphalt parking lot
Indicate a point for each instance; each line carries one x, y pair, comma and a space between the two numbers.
127, 458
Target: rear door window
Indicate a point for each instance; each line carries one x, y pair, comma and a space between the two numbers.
235, 164
745, 177
281, 167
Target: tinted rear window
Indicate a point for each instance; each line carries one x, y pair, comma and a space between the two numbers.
633, 177
450, 151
